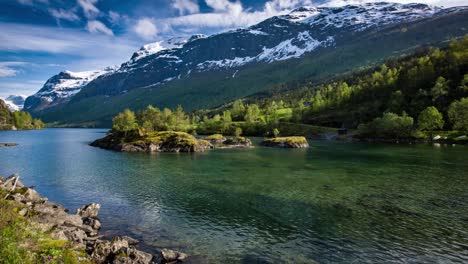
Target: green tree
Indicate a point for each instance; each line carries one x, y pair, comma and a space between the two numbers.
252, 114
430, 119
464, 84
390, 125
22, 120
440, 88
238, 132
125, 121
276, 132
238, 110
298, 111
458, 114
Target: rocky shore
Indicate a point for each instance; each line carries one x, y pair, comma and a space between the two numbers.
286, 142
81, 229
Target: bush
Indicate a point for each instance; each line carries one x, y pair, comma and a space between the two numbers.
458, 114
430, 119
390, 125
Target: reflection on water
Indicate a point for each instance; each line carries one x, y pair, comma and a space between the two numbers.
334, 203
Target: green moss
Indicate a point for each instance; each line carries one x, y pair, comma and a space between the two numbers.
290, 140
215, 137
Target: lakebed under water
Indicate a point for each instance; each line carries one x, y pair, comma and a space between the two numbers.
333, 203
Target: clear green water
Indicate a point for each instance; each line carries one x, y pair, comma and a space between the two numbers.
333, 203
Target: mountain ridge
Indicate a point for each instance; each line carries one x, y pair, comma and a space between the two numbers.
265, 43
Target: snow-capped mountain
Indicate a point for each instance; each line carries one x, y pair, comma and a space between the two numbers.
172, 71
62, 87
15, 102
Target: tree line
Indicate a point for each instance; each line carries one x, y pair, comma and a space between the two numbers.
425, 91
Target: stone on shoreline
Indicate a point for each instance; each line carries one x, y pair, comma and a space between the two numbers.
171, 256
81, 229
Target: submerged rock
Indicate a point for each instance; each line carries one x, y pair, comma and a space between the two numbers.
286, 142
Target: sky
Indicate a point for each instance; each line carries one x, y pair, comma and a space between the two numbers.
40, 38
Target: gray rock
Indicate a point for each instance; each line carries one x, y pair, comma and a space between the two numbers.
131, 241
70, 233
10, 182
32, 196
90, 210
172, 255
23, 212
93, 223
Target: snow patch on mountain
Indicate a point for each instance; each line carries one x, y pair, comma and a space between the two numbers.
153, 48
361, 16
291, 48
68, 83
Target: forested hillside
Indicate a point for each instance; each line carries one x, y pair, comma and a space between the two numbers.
17, 120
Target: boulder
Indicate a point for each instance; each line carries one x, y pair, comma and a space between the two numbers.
32, 196
92, 222
89, 211
169, 256
436, 137
23, 212
11, 181
119, 251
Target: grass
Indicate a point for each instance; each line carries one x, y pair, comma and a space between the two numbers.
22, 243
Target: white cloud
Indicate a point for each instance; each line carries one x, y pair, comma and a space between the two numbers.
97, 50
89, 8
146, 29
8, 68
227, 14
63, 14
224, 5
186, 6
22, 87
114, 17
95, 26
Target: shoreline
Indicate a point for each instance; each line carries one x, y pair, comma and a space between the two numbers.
78, 231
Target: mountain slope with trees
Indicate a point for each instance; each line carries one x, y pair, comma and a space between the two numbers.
406, 98
232, 65
17, 120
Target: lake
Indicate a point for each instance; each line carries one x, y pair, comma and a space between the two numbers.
336, 202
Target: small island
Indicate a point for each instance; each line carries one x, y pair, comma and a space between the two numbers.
286, 142
154, 131
165, 141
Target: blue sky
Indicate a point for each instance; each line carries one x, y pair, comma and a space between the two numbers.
39, 38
